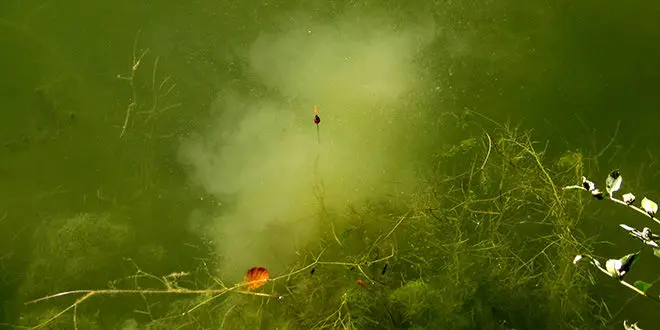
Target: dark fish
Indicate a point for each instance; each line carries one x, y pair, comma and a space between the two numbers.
382, 272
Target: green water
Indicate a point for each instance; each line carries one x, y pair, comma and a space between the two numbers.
224, 163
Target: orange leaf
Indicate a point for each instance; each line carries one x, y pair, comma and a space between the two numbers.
256, 277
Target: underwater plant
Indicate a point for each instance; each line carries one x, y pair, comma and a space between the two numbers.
485, 242
619, 268
159, 90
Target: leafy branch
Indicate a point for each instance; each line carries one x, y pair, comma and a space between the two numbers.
618, 268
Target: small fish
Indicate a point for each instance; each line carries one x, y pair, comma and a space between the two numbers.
382, 272
361, 283
313, 271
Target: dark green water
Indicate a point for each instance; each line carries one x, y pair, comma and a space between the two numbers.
247, 74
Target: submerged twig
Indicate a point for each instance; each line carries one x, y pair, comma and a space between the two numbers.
170, 287
157, 91
136, 60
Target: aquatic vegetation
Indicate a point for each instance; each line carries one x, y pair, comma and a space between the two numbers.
487, 242
80, 249
74, 249
618, 268
158, 90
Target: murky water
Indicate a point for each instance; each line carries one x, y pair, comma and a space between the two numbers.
182, 131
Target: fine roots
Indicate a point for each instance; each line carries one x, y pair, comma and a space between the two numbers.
489, 247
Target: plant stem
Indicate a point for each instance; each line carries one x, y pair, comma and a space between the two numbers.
618, 201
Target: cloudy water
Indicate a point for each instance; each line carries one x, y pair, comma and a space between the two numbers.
161, 150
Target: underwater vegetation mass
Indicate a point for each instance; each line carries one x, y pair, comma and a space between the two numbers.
488, 242
492, 233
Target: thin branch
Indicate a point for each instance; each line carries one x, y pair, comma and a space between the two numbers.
131, 81
618, 201
597, 264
